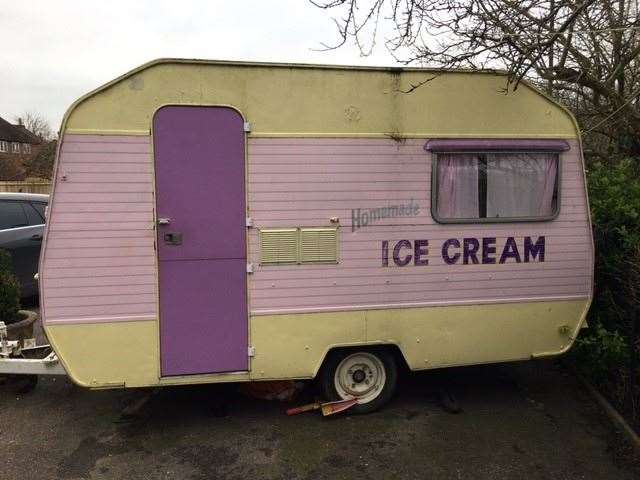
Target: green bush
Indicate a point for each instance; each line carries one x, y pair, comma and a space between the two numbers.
600, 353
614, 192
9, 290
608, 352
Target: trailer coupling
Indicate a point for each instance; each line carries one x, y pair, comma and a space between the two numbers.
27, 358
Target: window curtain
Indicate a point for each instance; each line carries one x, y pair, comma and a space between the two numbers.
458, 186
521, 185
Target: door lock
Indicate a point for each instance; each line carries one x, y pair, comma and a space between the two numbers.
173, 238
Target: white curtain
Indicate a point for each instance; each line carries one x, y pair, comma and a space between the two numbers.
457, 186
521, 185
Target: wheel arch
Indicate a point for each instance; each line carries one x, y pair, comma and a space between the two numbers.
390, 347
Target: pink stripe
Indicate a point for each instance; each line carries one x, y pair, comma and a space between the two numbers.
276, 273
120, 139
107, 310
103, 319
393, 298
112, 148
91, 243
374, 306
98, 282
112, 295
88, 273
100, 257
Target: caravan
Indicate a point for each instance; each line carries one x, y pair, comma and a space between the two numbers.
227, 222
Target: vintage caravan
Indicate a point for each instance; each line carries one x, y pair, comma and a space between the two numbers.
222, 221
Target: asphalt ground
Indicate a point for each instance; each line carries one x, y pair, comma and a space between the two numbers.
528, 420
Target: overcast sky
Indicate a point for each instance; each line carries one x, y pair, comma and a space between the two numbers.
54, 52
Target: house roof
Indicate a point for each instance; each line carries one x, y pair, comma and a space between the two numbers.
16, 133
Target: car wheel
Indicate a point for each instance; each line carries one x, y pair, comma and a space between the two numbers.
370, 376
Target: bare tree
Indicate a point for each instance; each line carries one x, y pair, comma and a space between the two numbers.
40, 165
583, 52
36, 124
11, 170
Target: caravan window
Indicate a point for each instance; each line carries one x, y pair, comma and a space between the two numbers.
495, 187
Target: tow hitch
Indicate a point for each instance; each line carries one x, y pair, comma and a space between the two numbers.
27, 358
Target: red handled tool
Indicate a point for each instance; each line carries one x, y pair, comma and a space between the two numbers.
327, 408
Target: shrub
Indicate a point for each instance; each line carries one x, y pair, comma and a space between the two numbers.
614, 192
601, 352
609, 352
9, 290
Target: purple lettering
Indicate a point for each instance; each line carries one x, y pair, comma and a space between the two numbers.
488, 249
510, 250
385, 253
420, 249
448, 259
470, 250
534, 250
396, 253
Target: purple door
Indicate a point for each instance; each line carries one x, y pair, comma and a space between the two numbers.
200, 205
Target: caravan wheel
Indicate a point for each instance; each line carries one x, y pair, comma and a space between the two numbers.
369, 376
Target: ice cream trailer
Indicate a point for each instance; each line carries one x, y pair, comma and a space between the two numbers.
220, 221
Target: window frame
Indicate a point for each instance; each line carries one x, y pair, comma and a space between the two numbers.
434, 188
32, 214
4, 146
26, 148
42, 214
15, 147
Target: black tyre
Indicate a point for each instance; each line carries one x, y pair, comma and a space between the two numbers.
368, 375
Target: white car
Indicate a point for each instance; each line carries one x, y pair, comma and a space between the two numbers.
22, 218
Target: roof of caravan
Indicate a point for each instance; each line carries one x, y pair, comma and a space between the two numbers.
280, 99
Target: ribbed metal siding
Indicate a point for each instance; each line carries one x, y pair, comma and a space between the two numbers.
306, 182
99, 262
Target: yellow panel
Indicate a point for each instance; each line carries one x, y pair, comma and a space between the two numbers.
103, 355
294, 346
318, 245
326, 101
471, 334
116, 355
279, 246
429, 337
291, 346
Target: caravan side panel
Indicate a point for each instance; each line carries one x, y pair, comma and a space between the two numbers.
100, 260
99, 278
305, 182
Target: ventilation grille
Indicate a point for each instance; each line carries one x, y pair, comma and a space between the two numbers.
279, 246
298, 245
318, 245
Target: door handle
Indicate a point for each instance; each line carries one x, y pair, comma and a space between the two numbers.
164, 221
36, 237
173, 238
